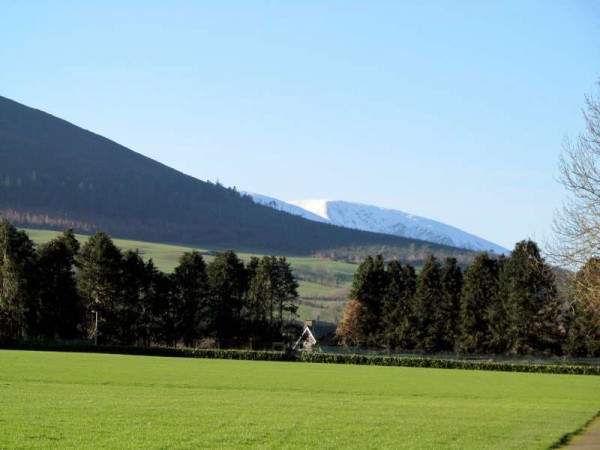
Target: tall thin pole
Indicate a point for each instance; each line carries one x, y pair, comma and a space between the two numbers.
96, 329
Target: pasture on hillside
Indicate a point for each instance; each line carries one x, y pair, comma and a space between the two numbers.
322, 280
74, 400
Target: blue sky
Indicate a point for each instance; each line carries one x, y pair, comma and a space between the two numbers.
453, 111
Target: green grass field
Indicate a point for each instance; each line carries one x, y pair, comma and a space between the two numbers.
62, 400
166, 257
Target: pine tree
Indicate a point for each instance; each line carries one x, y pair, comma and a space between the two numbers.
369, 288
61, 308
193, 312
162, 308
479, 291
498, 320
18, 286
426, 312
134, 292
529, 293
271, 298
397, 305
99, 285
449, 310
228, 283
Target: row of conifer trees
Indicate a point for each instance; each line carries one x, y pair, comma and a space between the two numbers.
504, 305
55, 291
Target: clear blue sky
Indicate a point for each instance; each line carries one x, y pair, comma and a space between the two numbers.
451, 111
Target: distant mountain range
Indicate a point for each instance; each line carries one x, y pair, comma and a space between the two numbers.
380, 220
54, 174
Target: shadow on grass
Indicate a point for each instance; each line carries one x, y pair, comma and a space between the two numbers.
568, 437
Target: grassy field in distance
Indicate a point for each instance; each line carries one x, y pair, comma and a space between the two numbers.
70, 400
330, 280
165, 256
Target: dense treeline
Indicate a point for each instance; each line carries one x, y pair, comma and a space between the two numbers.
497, 305
56, 175
415, 254
57, 290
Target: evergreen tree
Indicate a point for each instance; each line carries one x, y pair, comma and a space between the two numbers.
286, 293
227, 281
99, 285
530, 298
162, 309
449, 311
251, 267
498, 320
191, 298
61, 308
369, 288
479, 292
130, 311
150, 295
427, 311
397, 309
18, 287
271, 298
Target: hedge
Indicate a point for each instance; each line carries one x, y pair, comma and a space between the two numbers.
183, 352
328, 358
438, 363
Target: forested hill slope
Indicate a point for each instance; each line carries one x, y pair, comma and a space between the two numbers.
54, 174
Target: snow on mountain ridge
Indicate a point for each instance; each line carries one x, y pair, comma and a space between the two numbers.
399, 223
381, 220
318, 207
285, 207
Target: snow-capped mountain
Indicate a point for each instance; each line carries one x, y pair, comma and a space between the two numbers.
380, 220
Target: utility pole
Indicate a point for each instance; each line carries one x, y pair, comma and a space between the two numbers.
96, 327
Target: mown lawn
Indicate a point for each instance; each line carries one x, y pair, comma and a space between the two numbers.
62, 400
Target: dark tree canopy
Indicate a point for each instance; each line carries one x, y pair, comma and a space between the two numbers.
18, 283
503, 305
369, 289
479, 292
271, 297
60, 309
448, 313
228, 283
193, 312
398, 328
528, 290
99, 285
426, 310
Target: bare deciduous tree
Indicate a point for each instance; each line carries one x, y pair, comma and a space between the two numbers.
577, 224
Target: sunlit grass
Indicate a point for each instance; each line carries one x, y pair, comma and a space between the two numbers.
61, 400
166, 257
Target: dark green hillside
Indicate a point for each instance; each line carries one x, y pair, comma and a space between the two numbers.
54, 174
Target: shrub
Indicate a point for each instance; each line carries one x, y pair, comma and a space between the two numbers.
439, 363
